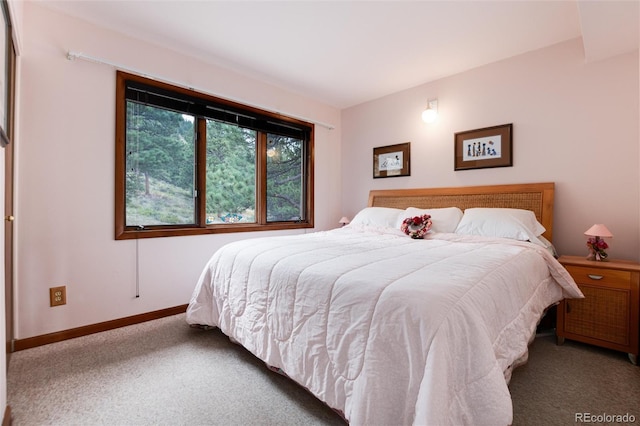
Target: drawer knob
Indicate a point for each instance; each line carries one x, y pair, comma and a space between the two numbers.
595, 277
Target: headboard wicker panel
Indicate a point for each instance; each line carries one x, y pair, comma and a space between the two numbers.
537, 197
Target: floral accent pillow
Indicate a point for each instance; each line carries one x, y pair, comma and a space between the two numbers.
417, 226
444, 219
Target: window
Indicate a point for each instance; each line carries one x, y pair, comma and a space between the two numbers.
189, 163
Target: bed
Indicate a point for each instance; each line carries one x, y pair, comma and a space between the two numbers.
388, 329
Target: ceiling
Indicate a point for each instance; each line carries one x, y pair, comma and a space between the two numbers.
343, 53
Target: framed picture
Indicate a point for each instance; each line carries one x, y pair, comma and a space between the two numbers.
487, 147
392, 160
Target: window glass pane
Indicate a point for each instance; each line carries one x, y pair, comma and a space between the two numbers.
231, 173
285, 179
160, 165
189, 164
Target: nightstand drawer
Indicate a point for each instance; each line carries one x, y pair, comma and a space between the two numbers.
601, 277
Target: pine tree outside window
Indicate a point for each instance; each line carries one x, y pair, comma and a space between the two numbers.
188, 163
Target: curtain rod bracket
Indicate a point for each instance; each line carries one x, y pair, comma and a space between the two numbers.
72, 56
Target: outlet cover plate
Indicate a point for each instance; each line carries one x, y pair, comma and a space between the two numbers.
58, 295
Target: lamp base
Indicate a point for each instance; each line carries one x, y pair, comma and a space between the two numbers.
598, 257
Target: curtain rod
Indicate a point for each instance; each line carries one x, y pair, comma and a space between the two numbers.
71, 55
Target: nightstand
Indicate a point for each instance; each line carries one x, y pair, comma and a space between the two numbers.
608, 316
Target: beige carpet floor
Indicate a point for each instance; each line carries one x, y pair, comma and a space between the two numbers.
165, 373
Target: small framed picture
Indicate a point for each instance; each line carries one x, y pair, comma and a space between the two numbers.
392, 160
487, 147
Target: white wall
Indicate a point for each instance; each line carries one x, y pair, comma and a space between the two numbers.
575, 124
65, 182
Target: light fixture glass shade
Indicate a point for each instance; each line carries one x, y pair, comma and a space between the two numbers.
598, 230
430, 114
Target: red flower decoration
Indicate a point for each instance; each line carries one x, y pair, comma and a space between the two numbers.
416, 227
597, 247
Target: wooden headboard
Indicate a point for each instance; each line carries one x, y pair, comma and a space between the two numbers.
537, 197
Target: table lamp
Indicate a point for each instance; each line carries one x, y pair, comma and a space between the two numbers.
596, 244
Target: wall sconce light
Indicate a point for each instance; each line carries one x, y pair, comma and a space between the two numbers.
430, 114
343, 221
596, 244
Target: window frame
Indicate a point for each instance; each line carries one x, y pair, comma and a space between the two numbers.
122, 232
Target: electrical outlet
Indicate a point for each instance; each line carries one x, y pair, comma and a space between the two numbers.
58, 295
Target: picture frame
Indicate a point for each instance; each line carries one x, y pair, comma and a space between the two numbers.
484, 148
392, 160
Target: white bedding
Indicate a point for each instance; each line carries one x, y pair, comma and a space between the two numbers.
383, 328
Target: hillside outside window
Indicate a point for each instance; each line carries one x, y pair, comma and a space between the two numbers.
189, 163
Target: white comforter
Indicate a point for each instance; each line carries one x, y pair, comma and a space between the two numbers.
386, 329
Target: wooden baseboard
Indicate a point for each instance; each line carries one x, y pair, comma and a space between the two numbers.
45, 339
6, 419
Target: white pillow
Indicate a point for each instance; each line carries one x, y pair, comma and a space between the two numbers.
516, 224
444, 219
378, 216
